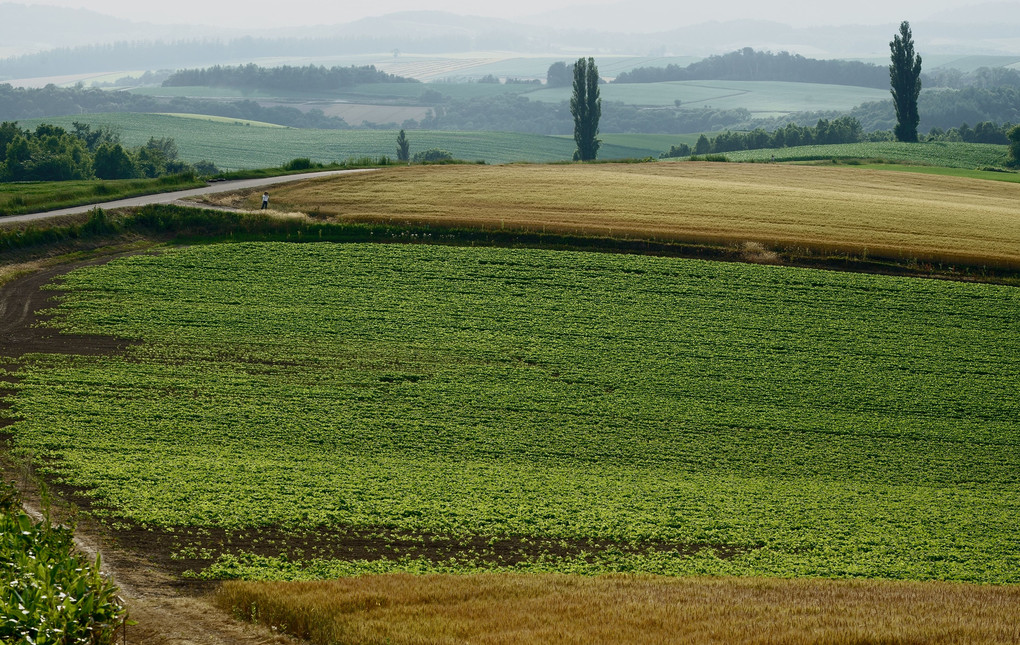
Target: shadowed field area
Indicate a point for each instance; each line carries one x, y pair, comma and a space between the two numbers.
813, 209
403, 609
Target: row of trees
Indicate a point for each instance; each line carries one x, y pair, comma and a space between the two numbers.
842, 130
750, 65
309, 78
51, 153
845, 129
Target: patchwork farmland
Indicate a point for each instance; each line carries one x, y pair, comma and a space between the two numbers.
307, 411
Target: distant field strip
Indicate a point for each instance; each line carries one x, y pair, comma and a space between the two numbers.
234, 145
464, 409
768, 97
828, 210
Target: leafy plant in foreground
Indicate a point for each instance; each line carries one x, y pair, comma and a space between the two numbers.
49, 594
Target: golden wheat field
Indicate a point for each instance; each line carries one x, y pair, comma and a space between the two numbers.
824, 210
489, 608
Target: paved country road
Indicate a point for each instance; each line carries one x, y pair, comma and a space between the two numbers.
167, 198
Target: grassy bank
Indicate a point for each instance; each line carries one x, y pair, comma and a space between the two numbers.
30, 197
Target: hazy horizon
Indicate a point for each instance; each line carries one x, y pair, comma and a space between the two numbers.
655, 15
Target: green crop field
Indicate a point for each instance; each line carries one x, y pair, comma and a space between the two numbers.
940, 153
223, 119
761, 98
236, 145
597, 412
764, 98
210, 92
412, 91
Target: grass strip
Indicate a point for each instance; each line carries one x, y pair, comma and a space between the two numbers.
31, 197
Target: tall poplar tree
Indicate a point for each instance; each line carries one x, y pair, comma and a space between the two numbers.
905, 76
403, 147
586, 106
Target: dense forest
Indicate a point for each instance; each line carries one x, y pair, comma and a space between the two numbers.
750, 65
945, 109
51, 153
310, 78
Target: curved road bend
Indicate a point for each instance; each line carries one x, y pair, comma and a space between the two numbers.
167, 198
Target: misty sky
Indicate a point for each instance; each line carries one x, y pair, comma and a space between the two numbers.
268, 14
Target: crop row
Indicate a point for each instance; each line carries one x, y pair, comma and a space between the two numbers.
799, 422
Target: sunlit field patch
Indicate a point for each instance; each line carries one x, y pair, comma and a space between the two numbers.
817, 210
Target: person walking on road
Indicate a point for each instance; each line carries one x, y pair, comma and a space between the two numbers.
265, 200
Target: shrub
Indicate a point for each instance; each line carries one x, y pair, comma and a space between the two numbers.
432, 155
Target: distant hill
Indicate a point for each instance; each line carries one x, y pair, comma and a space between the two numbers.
37, 28
76, 41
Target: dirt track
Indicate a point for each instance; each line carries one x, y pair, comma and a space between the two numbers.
167, 613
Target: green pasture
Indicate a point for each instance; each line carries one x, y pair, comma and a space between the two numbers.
670, 416
224, 119
939, 153
988, 175
234, 145
764, 98
409, 92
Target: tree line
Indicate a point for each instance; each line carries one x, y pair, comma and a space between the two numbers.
310, 78
51, 153
944, 108
750, 65
51, 101
842, 130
